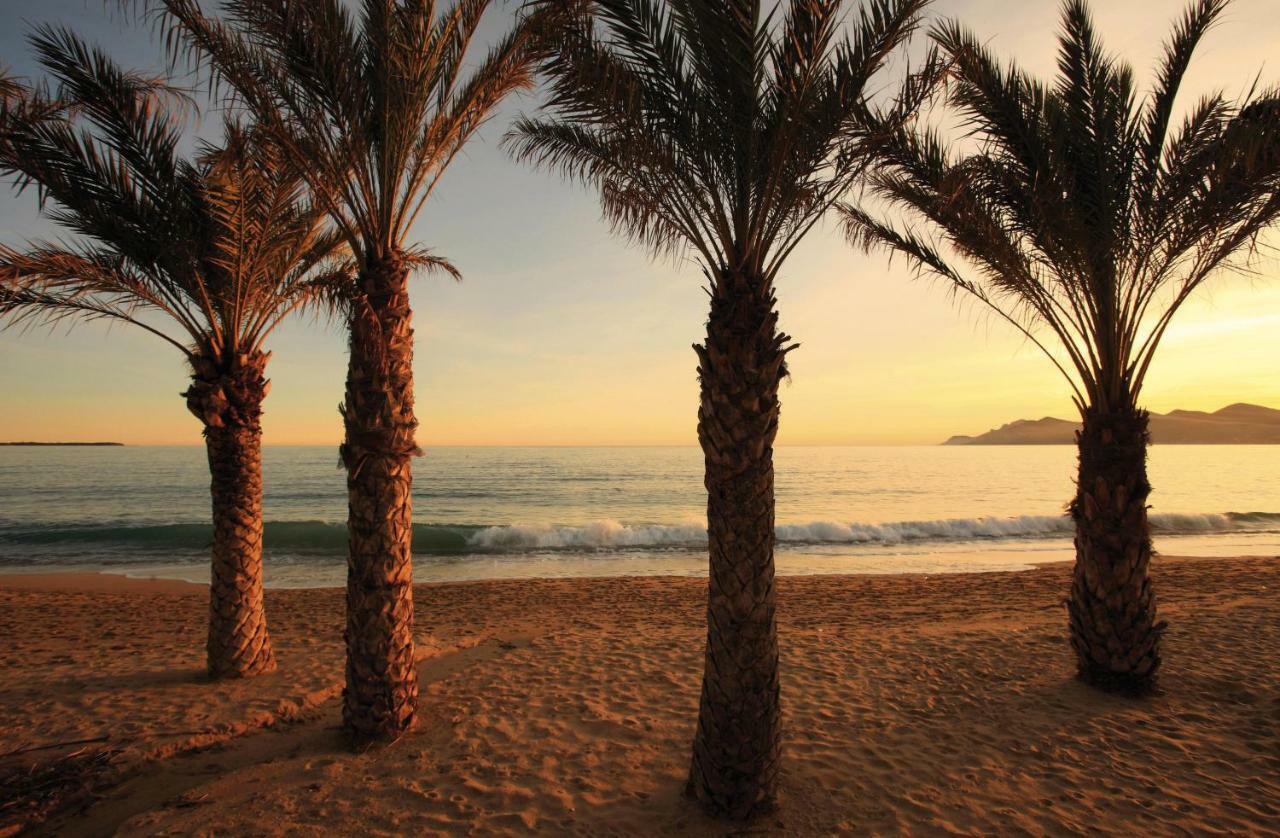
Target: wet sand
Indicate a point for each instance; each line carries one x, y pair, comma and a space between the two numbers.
923, 704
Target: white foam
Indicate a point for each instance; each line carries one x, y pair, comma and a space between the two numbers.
605, 533
1187, 524
609, 533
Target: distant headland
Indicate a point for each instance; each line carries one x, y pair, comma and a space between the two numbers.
1236, 424
82, 444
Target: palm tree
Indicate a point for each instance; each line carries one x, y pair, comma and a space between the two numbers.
208, 256
376, 106
708, 126
1084, 213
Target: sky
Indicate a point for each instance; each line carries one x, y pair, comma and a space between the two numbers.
562, 334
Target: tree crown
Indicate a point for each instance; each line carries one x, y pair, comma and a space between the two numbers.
376, 102
1083, 210
225, 245
711, 125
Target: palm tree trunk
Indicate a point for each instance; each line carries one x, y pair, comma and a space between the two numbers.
229, 402
381, 683
1112, 607
736, 749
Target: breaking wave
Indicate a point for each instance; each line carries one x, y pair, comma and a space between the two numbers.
329, 539
611, 534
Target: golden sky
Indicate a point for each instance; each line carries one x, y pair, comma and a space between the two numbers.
563, 335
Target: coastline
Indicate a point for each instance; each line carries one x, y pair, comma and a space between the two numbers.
917, 703
99, 582
145, 580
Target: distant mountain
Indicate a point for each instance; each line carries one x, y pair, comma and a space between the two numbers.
1236, 424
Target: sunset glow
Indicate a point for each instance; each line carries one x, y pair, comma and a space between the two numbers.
561, 334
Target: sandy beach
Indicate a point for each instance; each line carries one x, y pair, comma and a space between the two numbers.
940, 704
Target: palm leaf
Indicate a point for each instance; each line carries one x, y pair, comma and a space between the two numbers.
377, 103
1081, 213
713, 126
209, 254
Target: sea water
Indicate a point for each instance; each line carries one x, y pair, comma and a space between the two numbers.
484, 513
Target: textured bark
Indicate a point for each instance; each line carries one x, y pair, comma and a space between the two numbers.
381, 683
736, 749
227, 396
1112, 606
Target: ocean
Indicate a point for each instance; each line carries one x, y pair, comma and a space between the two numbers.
488, 513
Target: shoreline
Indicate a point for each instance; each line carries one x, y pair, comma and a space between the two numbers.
110, 581
911, 703
90, 581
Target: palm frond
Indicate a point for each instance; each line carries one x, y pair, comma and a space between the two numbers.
377, 103
713, 126
10, 87
209, 254
1081, 213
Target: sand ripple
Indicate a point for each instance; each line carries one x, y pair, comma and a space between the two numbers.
916, 704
